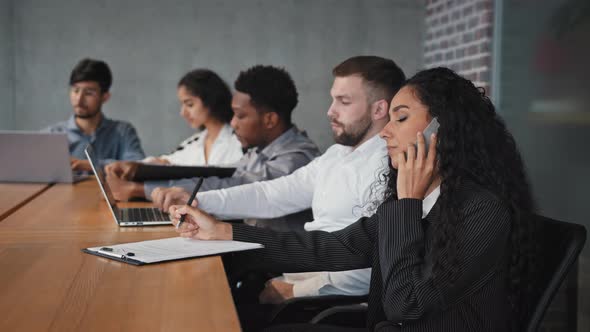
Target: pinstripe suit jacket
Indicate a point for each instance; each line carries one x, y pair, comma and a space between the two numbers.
396, 242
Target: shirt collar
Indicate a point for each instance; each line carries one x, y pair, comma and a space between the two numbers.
279, 142
429, 201
225, 133
371, 144
71, 125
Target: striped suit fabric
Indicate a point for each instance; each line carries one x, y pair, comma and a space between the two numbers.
396, 242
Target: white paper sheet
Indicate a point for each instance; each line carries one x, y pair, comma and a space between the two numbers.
173, 248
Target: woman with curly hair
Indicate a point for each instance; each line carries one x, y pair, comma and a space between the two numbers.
449, 248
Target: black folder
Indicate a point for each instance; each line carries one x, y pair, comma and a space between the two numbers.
151, 172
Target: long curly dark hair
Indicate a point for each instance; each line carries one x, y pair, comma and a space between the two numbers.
473, 144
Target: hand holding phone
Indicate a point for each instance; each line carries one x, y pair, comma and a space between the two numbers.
432, 128
417, 171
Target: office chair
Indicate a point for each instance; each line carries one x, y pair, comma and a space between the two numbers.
334, 307
353, 315
560, 246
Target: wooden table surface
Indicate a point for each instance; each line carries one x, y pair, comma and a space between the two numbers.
15, 195
47, 283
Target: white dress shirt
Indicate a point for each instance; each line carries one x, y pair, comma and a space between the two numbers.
225, 150
353, 282
429, 201
340, 186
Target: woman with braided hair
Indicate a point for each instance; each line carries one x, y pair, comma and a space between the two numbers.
449, 248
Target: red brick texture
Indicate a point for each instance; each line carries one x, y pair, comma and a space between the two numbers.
459, 36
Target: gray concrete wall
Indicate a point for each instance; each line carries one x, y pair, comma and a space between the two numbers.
150, 44
6, 66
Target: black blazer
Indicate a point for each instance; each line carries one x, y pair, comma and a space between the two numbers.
396, 243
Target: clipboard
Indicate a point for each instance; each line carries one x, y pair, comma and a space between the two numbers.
170, 249
123, 259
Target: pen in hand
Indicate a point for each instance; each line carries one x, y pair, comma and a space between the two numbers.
190, 201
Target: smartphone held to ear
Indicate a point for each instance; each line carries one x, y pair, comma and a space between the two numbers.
432, 128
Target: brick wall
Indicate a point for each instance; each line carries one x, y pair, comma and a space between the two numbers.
459, 36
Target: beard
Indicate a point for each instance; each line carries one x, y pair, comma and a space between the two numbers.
354, 134
88, 115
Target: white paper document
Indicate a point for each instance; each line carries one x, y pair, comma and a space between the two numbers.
146, 252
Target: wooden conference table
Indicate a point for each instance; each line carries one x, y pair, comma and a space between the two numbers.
15, 195
47, 283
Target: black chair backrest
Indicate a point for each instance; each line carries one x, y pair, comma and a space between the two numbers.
560, 245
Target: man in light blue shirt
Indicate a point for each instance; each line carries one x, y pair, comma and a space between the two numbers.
90, 82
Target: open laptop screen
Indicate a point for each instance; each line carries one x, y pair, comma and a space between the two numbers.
22, 151
100, 177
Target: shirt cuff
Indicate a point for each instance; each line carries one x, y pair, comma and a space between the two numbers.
309, 287
205, 198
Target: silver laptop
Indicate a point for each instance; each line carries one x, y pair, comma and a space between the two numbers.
126, 216
29, 156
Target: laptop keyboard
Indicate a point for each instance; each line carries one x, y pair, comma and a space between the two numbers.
144, 214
